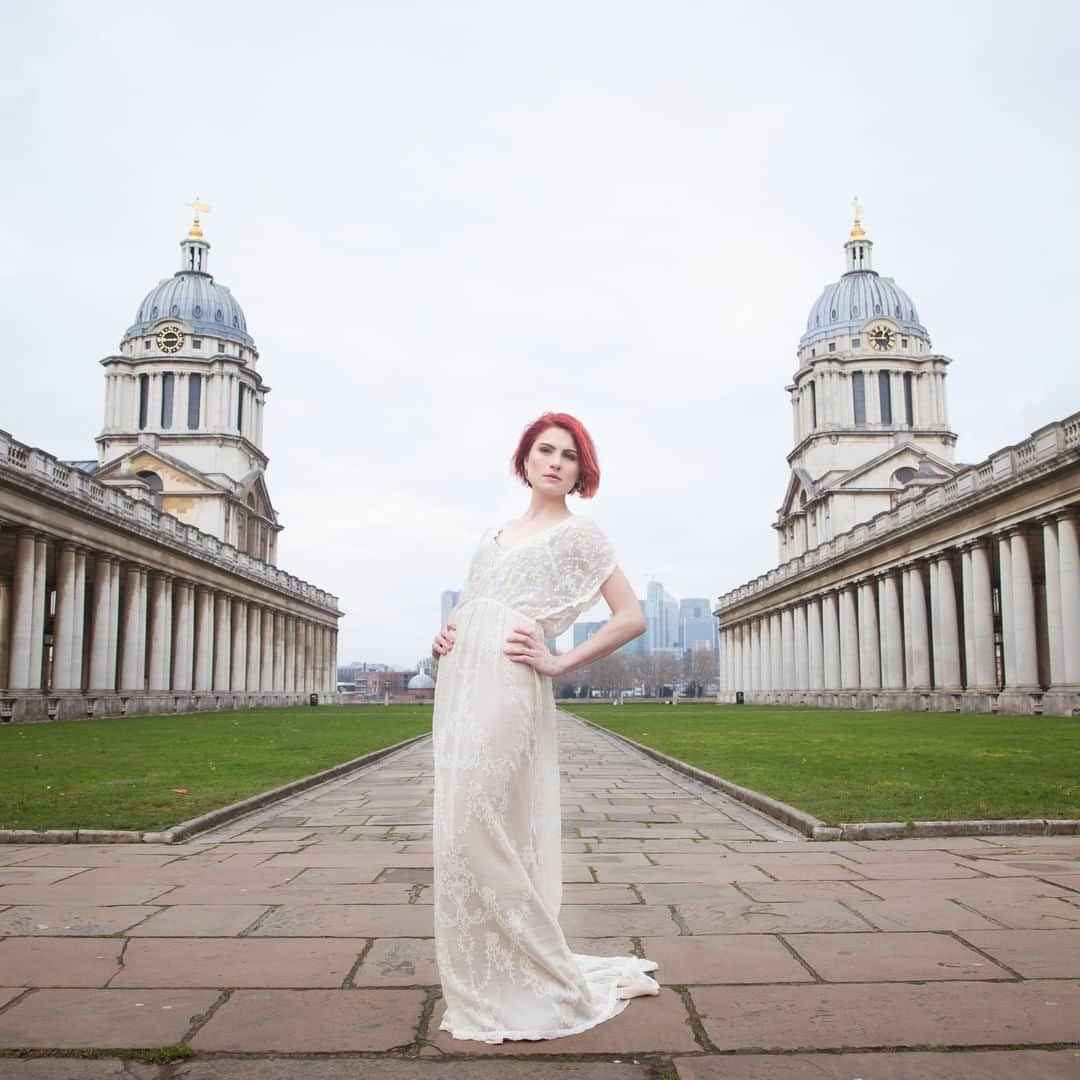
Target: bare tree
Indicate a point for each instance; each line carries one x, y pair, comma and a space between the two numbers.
702, 668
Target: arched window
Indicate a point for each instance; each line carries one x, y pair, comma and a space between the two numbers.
153, 482
905, 475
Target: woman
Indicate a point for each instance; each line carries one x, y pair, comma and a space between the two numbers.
505, 967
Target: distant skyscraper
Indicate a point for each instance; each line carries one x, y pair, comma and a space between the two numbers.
585, 630
696, 623
449, 598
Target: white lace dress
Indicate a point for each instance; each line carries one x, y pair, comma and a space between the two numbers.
505, 967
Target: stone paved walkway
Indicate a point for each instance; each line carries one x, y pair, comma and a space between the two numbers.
297, 943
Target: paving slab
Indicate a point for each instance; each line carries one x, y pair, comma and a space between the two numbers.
54, 1068
724, 958
63, 961
85, 920
914, 1065
747, 917
1033, 954
299, 1068
200, 920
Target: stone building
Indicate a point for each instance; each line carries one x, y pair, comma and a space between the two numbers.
145, 581
905, 580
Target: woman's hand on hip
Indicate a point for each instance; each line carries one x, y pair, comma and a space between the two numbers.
444, 640
523, 648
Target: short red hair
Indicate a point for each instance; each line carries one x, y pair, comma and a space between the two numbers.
588, 467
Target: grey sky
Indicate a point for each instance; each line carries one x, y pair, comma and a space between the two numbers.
442, 219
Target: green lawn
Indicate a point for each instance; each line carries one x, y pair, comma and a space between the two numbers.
121, 773
847, 766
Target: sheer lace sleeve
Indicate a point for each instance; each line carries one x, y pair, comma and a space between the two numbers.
584, 560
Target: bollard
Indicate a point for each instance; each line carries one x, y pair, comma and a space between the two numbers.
739, 697
313, 699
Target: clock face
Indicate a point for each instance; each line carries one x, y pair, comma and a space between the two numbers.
170, 338
882, 338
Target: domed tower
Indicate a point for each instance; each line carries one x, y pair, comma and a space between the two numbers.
184, 407
870, 421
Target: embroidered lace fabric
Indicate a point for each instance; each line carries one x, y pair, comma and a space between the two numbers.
505, 967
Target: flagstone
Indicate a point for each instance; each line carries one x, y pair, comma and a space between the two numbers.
1045, 913
652, 874
749, 918
724, 958
71, 962
76, 1019
200, 920
919, 913
1033, 954
603, 920
36, 875
57, 1068
75, 919
347, 920
674, 892
781, 892
294, 1068
75, 891
307, 1021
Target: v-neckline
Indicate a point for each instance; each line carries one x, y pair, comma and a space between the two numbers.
526, 539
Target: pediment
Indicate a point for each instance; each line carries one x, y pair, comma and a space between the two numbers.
880, 472
176, 476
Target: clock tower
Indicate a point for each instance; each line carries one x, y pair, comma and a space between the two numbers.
870, 424
184, 405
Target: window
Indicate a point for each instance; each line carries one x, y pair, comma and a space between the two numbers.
147, 343
885, 396
167, 381
240, 410
909, 400
194, 401
832, 346
903, 343
144, 400
813, 404
221, 346
813, 352
858, 394
856, 342
153, 482
196, 343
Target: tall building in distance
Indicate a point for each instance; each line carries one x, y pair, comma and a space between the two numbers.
697, 627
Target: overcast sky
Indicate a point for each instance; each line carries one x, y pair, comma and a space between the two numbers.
444, 218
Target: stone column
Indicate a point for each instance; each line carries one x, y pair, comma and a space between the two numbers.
317, 653
830, 640
1054, 640
787, 645
849, 639
802, 648
333, 660
1005, 593
892, 637
112, 661
755, 655
160, 631
279, 652
309, 658
290, 654
78, 637
1069, 581
239, 646
254, 648
918, 674
37, 624
132, 652
64, 624
102, 629
815, 645
5, 631
776, 652
204, 639
869, 637
222, 642
1023, 611
183, 636
946, 631
982, 675
746, 654
765, 635
22, 608
266, 660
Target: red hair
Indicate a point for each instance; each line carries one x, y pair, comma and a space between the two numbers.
588, 467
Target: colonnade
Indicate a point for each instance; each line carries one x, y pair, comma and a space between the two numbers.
993, 616
102, 625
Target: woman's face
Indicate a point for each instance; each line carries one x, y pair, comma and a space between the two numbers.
552, 465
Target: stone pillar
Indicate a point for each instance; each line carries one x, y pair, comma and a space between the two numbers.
64, 624
204, 639
1054, 640
5, 630
1069, 581
830, 640
222, 642
266, 660
967, 595
239, 646
849, 639
37, 624
102, 629
144, 619
183, 637
1023, 611
78, 637
869, 637
161, 622
132, 652
776, 652
1005, 593
814, 645
279, 652
112, 661
254, 648
983, 674
309, 658
333, 660
765, 635
787, 646
23, 598
918, 673
290, 654
802, 648
317, 653
946, 629
755, 655
892, 636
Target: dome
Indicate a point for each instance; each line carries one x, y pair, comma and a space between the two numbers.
846, 305
421, 681
193, 295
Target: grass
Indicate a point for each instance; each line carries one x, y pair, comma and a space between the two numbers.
123, 772
848, 766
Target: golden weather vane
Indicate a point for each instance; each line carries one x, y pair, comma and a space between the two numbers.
195, 232
857, 232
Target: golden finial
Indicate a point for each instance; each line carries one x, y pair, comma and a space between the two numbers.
857, 229
195, 232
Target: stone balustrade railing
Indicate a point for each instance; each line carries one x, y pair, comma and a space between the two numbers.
81, 487
1003, 465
